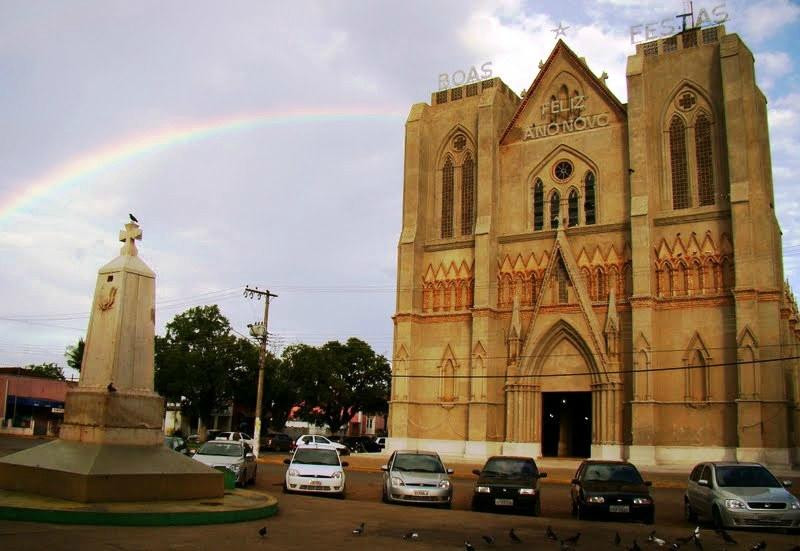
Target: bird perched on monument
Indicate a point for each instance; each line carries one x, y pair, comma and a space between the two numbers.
133, 218
111, 387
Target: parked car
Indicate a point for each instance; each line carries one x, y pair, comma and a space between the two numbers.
211, 434
361, 444
736, 495
611, 488
277, 442
237, 457
508, 483
417, 477
177, 444
316, 469
236, 436
316, 440
381, 441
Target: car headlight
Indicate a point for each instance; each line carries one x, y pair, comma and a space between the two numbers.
292, 472
527, 491
734, 504
444, 483
796, 504
595, 499
482, 490
642, 501
337, 474
397, 481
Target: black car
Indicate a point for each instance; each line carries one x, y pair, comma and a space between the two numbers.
277, 442
361, 444
509, 483
612, 489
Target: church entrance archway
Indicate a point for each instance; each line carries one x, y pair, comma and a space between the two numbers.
566, 424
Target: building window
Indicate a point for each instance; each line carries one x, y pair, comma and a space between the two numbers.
588, 201
563, 280
679, 170
468, 196
538, 205
447, 199
555, 203
573, 208
705, 167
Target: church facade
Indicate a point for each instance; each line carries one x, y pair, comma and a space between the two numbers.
586, 278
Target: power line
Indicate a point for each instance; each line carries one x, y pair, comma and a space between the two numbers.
583, 373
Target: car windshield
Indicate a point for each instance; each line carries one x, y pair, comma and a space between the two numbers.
221, 448
612, 473
746, 477
419, 463
309, 456
502, 466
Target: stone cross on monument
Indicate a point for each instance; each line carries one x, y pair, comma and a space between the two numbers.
129, 235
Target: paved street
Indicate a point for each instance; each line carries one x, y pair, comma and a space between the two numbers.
311, 522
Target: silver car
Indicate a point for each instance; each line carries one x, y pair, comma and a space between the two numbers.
417, 477
237, 457
743, 495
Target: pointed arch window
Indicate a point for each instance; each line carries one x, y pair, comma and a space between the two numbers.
563, 292
678, 163
468, 196
555, 204
538, 205
572, 211
588, 201
705, 166
447, 198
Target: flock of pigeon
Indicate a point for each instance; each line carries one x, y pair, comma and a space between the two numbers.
569, 544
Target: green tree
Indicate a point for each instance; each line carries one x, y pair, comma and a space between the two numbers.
195, 360
337, 380
48, 370
74, 354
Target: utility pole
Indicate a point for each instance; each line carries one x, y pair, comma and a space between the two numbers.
259, 330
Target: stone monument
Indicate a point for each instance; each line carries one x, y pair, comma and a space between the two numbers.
111, 446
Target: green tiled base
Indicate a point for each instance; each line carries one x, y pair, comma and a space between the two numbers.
235, 506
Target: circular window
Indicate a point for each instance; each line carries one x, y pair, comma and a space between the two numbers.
563, 170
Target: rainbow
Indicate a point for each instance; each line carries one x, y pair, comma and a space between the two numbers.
87, 164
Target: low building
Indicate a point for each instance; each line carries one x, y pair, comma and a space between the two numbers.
31, 405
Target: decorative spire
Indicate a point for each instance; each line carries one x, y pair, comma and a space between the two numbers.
514, 332
612, 324
129, 235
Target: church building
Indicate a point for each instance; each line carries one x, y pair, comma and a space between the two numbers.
582, 277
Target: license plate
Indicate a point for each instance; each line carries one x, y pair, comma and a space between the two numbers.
315, 483
504, 502
420, 492
619, 509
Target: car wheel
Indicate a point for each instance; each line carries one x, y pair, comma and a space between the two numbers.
580, 513
474, 505
253, 478
286, 489
384, 497
688, 512
717, 518
448, 505
340, 495
537, 508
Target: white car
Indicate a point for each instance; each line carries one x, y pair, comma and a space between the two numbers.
316, 440
236, 437
316, 469
237, 457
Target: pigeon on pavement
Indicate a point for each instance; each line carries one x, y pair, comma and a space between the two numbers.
360, 530
411, 536
652, 538
262, 531
617, 539
726, 536
488, 539
635, 547
468, 546
550, 534
111, 387
514, 537
573, 540
760, 546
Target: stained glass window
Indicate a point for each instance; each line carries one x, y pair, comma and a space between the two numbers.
468, 196
588, 202
555, 204
447, 198
680, 174
538, 205
573, 208
705, 167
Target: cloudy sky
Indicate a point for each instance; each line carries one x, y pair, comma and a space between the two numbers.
261, 143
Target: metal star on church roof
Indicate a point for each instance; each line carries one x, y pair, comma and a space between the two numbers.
561, 29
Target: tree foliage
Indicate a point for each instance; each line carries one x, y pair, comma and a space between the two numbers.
194, 361
74, 354
335, 381
48, 370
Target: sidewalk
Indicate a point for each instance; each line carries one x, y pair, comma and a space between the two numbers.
559, 471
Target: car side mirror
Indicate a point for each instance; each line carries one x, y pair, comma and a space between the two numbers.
192, 452
576, 482
542, 475
476, 472
345, 464
787, 483
384, 468
703, 482
450, 471
648, 483
287, 461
